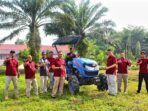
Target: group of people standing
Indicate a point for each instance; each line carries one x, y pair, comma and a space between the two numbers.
50, 68
120, 66
55, 70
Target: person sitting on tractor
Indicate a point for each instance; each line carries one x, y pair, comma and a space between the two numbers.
72, 53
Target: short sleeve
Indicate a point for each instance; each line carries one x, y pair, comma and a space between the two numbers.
114, 60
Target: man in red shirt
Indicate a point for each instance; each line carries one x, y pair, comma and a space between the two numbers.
143, 71
111, 73
51, 60
123, 64
59, 75
11, 74
30, 70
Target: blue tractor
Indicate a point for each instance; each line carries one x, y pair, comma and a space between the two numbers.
81, 71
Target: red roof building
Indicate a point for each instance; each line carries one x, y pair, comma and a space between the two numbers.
6, 48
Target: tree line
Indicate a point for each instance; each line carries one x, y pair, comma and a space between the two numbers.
66, 17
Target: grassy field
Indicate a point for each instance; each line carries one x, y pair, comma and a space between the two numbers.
89, 99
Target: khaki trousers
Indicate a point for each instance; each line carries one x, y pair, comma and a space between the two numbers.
123, 77
112, 87
8, 80
43, 83
29, 83
58, 86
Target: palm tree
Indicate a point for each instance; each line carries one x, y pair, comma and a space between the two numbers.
87, 19
20, 15
61, 25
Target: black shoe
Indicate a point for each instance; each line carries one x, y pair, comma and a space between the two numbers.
112, 94
138, 92
53, 97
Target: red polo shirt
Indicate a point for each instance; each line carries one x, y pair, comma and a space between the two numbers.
110, 61
11, 67
51, 60
143, 67
123, 66
30, 70
59, 63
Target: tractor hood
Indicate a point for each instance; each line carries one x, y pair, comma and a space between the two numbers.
85, 61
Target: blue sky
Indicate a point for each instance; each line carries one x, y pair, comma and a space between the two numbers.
122, 12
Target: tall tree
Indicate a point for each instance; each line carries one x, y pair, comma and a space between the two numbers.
20, 15
138, 49
130, 36
87, 19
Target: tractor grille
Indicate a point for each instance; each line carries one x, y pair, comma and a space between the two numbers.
93, 73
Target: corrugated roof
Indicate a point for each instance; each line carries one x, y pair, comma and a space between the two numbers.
5, 48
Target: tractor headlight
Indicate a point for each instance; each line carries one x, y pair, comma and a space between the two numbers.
92, 67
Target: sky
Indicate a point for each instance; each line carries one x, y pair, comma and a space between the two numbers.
122, 12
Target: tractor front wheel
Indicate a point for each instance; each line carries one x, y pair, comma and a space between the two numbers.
73, 85
102, 84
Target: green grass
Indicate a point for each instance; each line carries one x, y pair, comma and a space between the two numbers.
89, 99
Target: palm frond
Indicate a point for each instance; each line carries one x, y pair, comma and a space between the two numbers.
100, 13
60, 27
8, 25
12, 35
13, 11
48, 5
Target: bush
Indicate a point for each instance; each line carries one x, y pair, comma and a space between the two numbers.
134, 67
100, 58
23, 55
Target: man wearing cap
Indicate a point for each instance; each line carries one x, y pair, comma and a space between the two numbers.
44, 64
123, 64
30, 70
143, 71
51, 60
59, 75
111, 73
11, 74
